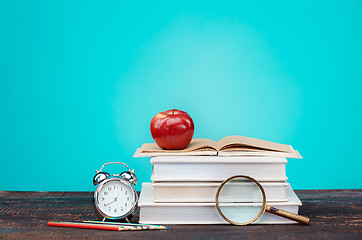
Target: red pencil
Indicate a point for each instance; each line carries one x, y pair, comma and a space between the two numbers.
88, 225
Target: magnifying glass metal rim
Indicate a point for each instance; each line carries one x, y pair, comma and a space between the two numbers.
262, 210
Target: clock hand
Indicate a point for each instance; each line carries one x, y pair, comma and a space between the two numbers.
106, 204
116, 193
114, 199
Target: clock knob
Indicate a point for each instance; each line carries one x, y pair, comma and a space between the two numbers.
100, 177
129, 176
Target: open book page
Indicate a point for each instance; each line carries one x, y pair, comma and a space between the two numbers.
197, 144
245, 143
238, 153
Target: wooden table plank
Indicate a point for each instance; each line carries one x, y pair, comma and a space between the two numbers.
335, 214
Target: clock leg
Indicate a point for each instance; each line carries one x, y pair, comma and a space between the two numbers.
127, 220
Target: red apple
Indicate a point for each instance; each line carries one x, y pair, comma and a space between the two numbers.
172, 129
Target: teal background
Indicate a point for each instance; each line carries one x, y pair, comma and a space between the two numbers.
81, 80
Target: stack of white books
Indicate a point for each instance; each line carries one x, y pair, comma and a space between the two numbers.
184, 185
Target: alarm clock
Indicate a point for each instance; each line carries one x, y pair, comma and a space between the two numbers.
115, 197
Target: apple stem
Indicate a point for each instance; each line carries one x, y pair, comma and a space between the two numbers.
173, 111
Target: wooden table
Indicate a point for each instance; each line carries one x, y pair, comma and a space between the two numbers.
335, 214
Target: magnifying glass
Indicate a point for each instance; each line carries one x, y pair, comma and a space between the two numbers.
241, 200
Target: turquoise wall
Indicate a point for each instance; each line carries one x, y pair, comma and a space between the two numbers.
81, 80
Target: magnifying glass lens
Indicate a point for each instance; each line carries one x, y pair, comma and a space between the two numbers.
240, 200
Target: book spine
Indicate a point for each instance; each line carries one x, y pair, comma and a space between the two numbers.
217, 171
207, 193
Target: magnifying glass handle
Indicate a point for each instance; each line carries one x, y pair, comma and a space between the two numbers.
289, 215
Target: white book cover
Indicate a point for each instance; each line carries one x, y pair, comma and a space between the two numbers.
202, 213
295, 154
217, 168
206, 191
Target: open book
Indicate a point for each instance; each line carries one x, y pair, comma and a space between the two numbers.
227, 146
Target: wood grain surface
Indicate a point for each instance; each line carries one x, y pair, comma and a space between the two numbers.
335, 214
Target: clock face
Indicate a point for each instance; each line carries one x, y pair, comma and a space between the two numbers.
115, 198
